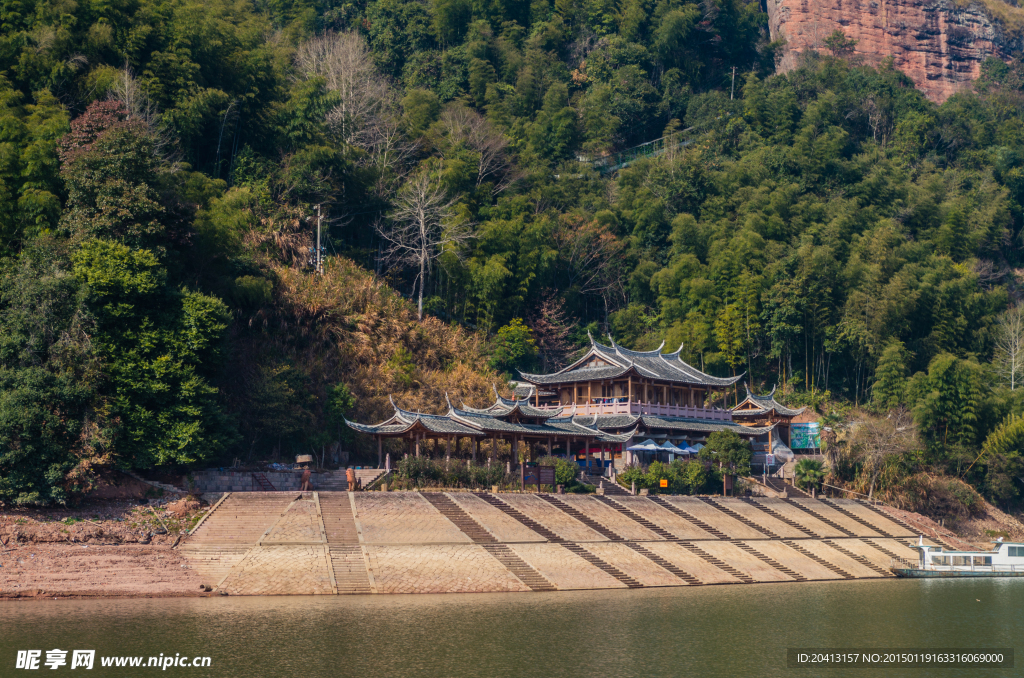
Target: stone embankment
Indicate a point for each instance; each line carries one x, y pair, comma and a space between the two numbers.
273, 543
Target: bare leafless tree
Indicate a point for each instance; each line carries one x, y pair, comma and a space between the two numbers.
875, 440
420, 229
588, 250
344, 62
1009, 354
462, 126
387, 149
127, 91
551, 327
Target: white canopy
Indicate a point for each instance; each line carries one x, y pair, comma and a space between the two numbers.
646, 446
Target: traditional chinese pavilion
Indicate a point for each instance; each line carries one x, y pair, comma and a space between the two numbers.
764, 411
594, 409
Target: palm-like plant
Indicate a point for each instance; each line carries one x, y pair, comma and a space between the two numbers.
809, 473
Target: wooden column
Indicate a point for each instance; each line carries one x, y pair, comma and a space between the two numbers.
549, 446
630, 382
590, 392
536, 396
380, 451
417, 445
472, 442
494, 449
586, 452
447, 449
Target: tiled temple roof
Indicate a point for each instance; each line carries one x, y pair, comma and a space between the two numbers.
648, 364
763, 405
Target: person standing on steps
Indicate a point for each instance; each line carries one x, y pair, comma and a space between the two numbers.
307, 486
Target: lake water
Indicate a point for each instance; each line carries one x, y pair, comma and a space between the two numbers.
701, 631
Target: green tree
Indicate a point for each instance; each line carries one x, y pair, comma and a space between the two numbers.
890, 387
809, 473
513, 346
728, 449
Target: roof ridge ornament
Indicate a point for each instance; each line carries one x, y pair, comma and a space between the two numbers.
660, 347
746, 387
772, 394
590, 337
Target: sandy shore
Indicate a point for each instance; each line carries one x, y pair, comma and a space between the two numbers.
74, 570
108, 548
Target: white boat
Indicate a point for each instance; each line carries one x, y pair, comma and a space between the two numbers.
1006, 560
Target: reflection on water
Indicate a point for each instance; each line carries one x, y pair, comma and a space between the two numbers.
703, 631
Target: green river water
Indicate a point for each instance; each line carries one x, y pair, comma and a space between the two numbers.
701, 631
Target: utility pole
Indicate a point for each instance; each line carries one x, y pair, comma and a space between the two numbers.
732, 92
319, 260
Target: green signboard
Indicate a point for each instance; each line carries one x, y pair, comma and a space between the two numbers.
804, 436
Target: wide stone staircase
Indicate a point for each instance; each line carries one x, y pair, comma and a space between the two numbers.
656, 529
821, 561
686, 516
780, 485
519, 567
778, 516
521, 517
241, 519
339, 523
855, 517
462, 520
604, 566
743, 519
349, 569
769, 561
717, 562
336, 481
823, 518
583, 518
860, 559
610, 488
682, 574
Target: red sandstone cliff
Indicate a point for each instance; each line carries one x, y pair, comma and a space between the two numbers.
939, 44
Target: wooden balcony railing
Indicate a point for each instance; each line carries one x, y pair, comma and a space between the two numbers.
587, 409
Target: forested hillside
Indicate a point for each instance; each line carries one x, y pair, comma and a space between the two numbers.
161, 164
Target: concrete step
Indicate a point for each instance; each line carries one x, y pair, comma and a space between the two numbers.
682, 574
821, 517
785, 519
717, 562
860, 559
339, 523
519, 567
583, 518
349, 569
462, 520
242, 518
604, 566
736, 516
821, 561
661, 532
693, 519
770, 561
855, 517
521, 517
610, 488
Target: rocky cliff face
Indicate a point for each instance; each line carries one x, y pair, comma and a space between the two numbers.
938, 43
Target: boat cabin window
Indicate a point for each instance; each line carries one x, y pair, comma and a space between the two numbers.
940, 560
1015, 551
982, 560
